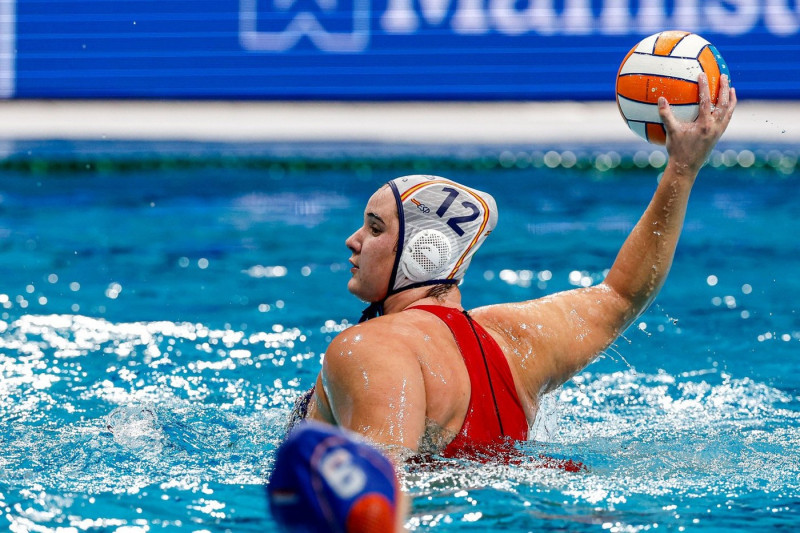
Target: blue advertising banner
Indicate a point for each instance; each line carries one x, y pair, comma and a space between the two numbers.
374, 49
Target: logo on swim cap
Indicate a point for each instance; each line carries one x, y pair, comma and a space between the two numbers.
442, 224
427, 253
422, 207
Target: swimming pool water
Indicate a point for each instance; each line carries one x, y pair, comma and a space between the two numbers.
156, 326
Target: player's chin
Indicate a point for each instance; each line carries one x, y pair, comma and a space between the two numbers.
355, 288
365, 294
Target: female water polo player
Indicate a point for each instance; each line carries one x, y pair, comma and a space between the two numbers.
420, 374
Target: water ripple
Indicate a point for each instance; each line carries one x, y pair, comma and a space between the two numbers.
102, 419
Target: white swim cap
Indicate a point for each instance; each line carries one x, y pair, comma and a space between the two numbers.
442, 224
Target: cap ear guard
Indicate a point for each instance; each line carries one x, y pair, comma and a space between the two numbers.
426, 255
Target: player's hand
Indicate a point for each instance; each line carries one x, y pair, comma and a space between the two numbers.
690, 143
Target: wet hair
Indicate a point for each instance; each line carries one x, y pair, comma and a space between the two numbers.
440, 291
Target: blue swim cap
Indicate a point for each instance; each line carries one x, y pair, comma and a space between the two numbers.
328, 480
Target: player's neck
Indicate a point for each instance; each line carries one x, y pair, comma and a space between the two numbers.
402, 300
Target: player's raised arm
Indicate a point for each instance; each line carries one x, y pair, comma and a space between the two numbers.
558, 335
644, 261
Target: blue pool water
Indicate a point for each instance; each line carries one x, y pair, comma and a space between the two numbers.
156, 326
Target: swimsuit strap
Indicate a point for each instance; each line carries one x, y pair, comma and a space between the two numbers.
488, 373
494, 410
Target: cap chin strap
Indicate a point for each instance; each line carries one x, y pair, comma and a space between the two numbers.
371, 311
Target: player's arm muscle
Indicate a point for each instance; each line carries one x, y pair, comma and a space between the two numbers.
375, 387
554, 337
572, 328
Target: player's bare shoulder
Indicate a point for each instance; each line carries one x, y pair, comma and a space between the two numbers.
513, 322
385, 335
413, 334
522, 338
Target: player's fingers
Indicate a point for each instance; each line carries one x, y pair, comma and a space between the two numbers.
667, 117
705, 94
724, 91
730, 106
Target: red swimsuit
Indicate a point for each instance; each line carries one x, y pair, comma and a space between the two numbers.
495, 414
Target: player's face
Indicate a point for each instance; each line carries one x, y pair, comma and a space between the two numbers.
374, 246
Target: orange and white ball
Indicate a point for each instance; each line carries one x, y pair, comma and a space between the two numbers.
666, 64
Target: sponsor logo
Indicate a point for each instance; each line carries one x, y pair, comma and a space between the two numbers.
422, 207
346, 26
339, 26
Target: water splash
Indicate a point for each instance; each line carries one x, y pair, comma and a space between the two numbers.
704, 440
104, 418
